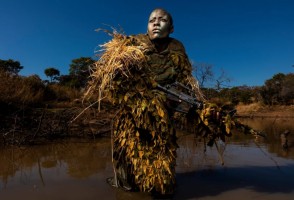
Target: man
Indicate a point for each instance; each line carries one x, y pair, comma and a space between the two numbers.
129, 73
144, 138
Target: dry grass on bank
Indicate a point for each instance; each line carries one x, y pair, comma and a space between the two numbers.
260, 110
19, 91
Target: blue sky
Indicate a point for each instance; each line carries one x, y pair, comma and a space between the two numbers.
251, 40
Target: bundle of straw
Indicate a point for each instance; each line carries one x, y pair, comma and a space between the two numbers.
117, 56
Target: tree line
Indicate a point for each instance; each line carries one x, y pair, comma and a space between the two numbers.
278, 90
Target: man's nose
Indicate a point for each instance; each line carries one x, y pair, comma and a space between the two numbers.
156, 22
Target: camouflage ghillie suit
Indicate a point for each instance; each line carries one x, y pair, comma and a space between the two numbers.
144, 139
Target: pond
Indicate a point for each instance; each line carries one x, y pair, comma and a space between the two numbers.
252, 168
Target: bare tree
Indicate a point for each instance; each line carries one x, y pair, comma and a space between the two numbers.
221, 80
203, 72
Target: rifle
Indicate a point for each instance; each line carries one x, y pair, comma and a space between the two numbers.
186, 98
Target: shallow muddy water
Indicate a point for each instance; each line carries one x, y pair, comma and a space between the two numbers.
254, 168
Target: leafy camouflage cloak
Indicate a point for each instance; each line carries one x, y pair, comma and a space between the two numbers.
144, 139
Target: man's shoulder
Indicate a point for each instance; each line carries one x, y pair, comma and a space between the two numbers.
176, 45
141, 38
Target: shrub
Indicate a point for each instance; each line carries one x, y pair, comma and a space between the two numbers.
56, 92
19, 90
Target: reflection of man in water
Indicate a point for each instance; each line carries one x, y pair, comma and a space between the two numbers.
144, 137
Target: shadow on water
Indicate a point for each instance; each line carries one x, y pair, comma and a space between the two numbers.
267, 180
257, 168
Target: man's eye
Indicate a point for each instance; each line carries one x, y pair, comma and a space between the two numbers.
152, 20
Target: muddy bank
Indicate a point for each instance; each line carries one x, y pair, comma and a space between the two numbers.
36, 125
26, 126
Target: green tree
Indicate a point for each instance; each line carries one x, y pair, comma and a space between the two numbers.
10, 66
80, 71
68, 80
287, 92
210, 93
52, 72
271, 91
246, 94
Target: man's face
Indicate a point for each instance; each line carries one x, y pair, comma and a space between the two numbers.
159, 25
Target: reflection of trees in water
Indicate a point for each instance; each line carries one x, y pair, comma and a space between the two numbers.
87, 159
12, 160
273, 128
82, 159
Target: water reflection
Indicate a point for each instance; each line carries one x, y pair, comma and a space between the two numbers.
79, 159
78, 169
274, 129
